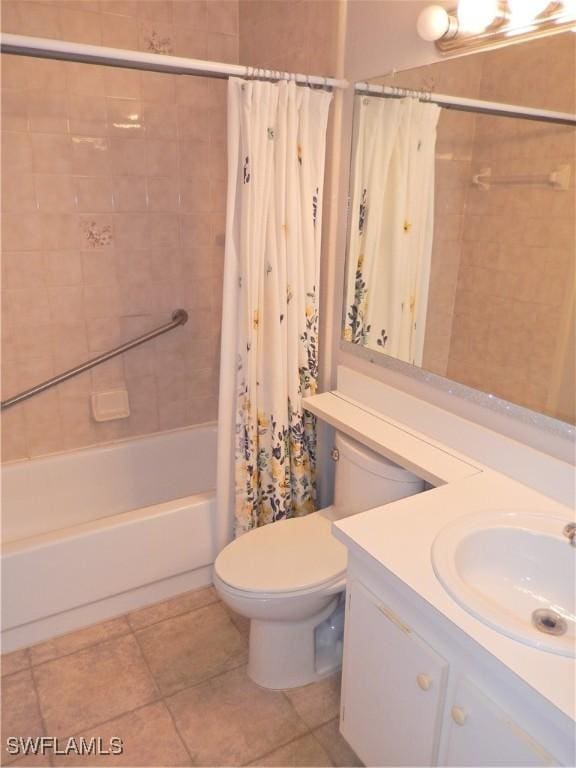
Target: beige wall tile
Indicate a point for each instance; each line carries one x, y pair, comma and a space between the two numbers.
15, 110
55, 192
17, 152
80, 26
93, 193
18, 192
130, 193
90, 156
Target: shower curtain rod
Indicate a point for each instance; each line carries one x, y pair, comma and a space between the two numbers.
23, 45
468, 105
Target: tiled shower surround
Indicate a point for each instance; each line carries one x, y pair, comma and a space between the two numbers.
170, 681
114, 198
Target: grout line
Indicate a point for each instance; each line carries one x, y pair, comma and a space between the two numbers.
279, 746
174, 616
79, 650
128, 631
40, 710
149, 668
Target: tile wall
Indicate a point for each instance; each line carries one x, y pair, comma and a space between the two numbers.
113, 201
292, 35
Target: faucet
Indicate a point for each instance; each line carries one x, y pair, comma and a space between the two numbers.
570, 533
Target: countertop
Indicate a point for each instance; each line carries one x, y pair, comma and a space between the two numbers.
399, 536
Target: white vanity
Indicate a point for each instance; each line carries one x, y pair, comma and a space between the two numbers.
427, 681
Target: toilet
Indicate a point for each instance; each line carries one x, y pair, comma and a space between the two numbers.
289, 578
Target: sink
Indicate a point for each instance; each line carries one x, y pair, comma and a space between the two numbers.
515, 571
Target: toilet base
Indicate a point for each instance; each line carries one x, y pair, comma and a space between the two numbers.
282, 653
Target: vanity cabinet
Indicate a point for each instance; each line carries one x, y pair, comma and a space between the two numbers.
393, 686
477, 732
405, 702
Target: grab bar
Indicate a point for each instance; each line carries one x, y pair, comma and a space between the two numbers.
179, 317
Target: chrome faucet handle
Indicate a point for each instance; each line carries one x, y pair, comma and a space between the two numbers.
570, 533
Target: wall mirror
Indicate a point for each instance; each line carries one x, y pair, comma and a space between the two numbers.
461, 242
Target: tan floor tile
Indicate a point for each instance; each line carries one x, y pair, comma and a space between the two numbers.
20, 710
241, 623
32, 761
189, 601
93, 685
340, 751
318, 702
75, 641
229, 720
149, 739
305, 751
193, 647
14, 662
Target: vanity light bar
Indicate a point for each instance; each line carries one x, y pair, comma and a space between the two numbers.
468, 105
444, 28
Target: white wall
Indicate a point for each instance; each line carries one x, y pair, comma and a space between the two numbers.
381, 36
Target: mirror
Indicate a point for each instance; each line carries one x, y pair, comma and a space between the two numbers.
462, 225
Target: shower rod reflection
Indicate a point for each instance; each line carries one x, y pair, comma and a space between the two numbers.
179, 317
494, 108
22, 45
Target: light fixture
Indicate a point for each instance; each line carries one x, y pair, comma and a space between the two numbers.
494, 23
434, 22
475, 15
524, 12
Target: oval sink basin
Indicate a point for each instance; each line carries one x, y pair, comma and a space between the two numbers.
516, 572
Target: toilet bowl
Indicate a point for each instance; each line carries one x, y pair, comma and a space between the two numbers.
288, 578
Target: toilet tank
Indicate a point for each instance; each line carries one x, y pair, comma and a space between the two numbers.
364, 479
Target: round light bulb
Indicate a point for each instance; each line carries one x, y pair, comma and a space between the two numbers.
475, 15
433, 23
523, 12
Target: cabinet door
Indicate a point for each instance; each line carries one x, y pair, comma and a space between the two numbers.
392, 686
478, 732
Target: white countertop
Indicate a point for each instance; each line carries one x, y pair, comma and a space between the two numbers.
400, 536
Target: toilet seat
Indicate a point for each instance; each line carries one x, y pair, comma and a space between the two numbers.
295, 556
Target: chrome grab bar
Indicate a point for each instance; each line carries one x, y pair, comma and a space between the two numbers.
179, 317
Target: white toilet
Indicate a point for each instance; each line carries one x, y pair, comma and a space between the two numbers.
288, 578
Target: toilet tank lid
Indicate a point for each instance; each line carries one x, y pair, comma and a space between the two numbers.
287, 556
373, 462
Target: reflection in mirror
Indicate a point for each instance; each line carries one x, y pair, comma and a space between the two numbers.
462, 225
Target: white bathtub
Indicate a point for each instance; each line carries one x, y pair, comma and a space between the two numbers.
97, 532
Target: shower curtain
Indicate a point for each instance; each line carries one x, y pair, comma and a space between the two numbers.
391, 226
269, 351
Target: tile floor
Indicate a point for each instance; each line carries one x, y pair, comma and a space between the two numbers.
170, 681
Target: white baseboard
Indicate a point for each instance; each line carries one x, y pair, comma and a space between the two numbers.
91, 613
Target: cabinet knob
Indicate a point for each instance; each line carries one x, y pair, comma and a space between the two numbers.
424, 682
459, 715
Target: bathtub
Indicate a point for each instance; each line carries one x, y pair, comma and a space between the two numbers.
94, 533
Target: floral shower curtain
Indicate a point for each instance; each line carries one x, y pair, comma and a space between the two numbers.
391, 226
276, 156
